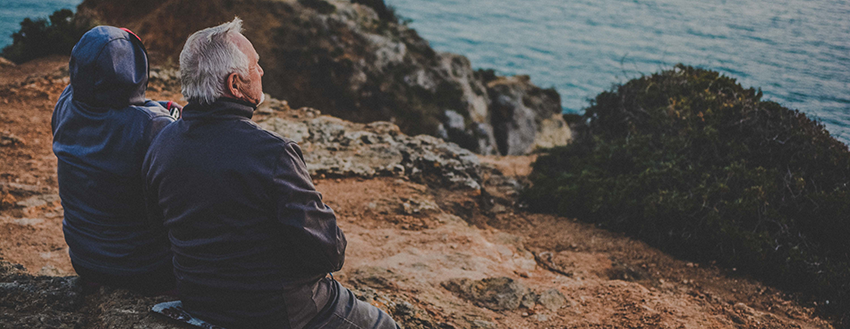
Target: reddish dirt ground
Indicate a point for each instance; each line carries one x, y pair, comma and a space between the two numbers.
406, 239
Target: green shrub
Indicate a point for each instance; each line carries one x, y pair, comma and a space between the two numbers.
700, 167
40, 37
385, 13
486, 75
322, 6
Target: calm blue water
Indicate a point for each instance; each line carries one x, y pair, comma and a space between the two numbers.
797, 51
12, 12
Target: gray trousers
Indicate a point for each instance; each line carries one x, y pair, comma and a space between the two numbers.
348, 312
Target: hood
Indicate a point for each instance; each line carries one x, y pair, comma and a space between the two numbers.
109, 68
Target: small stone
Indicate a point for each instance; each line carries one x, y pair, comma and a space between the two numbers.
541, 317
265, 110
743, 308
481, 324
7, 200
398, 170
49, 270
552, 299
498, 209
529, 300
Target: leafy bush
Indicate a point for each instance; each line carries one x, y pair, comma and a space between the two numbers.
40, 37
322, 6
693, 163
385, 13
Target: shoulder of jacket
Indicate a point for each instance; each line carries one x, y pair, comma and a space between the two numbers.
269, 134
149, 111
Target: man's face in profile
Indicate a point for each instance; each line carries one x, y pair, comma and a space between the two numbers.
252, 85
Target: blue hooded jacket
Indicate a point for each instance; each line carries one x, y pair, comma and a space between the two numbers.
102, 127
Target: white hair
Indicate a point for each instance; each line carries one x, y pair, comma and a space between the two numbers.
208, 57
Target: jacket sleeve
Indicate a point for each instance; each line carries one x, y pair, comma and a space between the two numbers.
308, 224
157, 122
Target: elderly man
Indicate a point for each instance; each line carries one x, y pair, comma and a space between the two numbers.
252, 241
102, 126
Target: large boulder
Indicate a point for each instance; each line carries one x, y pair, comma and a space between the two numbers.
339, 148
524, 116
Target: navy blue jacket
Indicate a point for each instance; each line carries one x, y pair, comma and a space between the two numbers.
102, 127
247, 227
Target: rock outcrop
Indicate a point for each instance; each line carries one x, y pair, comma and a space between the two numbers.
525, 117
356, 61
505, 294
338, 148
498, 294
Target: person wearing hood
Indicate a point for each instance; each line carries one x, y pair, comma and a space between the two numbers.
102, 126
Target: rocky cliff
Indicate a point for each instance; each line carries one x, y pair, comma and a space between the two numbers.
357, 61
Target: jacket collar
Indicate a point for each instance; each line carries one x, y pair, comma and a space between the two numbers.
223, 108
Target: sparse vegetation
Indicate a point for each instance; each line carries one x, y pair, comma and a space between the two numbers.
42, 37
486, 75
695, 164
322, 6
385, 13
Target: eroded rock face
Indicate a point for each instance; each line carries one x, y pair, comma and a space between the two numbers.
524, 116
334, 147
352, 61
552, 299
505, 294
498, 294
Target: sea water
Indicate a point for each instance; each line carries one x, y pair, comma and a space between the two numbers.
796, 51
12, 12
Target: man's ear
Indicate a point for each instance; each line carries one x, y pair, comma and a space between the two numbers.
234, 85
